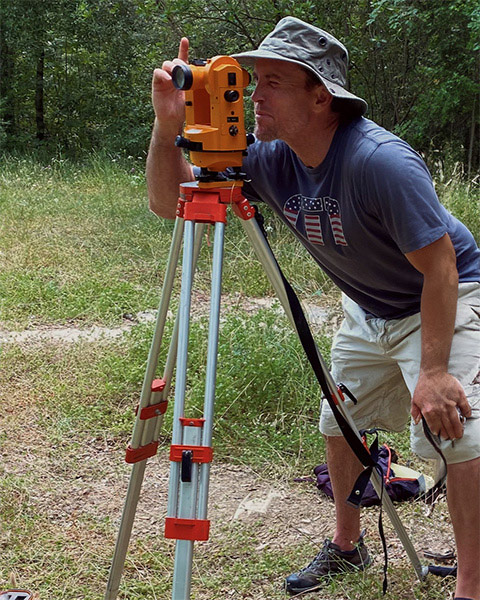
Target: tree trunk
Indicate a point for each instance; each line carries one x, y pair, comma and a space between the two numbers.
6, 86
39, 96
472, 138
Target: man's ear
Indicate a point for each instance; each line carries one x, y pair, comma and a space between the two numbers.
323, 98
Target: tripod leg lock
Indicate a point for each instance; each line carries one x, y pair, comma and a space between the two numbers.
134, 455
196, 530
243, 209
200, 454
154, 410
159, 408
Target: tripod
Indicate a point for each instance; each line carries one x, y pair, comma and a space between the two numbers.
191, 450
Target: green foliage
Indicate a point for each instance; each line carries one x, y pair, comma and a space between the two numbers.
434, 90
97, 58
75, 74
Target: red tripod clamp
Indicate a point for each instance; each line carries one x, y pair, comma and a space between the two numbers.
152, 411
196, 530
209, 204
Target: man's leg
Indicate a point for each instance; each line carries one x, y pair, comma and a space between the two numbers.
344, 468
463, 493
463, 479
359, 362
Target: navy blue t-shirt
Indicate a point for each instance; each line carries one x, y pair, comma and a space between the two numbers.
367, 204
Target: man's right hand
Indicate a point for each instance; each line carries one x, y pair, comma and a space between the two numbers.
168, 102
166, 165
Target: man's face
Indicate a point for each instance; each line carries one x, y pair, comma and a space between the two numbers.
282, 101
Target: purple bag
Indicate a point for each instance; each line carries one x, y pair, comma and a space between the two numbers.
398, 488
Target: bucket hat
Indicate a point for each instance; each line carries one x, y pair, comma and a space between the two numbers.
303, 44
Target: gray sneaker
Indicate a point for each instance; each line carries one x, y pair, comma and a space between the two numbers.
328, 562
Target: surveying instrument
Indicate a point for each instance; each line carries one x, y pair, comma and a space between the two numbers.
215, 136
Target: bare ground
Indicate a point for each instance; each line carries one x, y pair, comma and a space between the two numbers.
285, 513
281, 513
318, 316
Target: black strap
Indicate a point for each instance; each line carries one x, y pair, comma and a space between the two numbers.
431, 495
358, 492
313, 355
360, 486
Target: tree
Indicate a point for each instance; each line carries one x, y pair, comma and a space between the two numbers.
75, 74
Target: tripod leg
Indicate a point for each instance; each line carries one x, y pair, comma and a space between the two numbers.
212, 358
188, 496
147, 431
269, 263
124, 532
184, 549
182, 356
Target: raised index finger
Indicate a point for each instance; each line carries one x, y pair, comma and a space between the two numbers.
183, 49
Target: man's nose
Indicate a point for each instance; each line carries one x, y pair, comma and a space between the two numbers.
257, 95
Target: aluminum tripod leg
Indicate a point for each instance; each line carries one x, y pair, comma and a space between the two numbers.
270, 266
146, 431
188, 496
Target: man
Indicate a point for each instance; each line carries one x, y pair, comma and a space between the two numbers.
362, 202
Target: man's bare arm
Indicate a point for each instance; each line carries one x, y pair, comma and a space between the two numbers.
438, 394
166, 169
166, 165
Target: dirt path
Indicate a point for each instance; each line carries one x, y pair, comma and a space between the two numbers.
317, 315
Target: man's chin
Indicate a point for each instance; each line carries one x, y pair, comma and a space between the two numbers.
264, 135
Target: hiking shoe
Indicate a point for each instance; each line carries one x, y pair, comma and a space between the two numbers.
328, 562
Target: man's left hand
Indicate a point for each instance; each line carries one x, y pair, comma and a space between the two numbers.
439, 397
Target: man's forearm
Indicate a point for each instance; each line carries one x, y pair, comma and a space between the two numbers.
438, 394
166, 169
438, 310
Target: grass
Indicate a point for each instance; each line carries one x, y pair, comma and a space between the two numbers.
78, 247
464, 202
260, 411
78, 244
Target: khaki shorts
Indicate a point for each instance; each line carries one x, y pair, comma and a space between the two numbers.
379, 361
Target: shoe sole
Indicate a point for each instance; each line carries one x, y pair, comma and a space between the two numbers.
298, 591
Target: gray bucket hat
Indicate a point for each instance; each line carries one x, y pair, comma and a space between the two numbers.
298, 42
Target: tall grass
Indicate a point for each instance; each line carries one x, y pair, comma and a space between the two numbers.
79, 245
463, 200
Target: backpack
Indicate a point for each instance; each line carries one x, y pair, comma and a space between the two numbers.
401, 483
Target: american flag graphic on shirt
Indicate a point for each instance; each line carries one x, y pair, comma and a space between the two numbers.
311, 209
333, 210
292, 209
